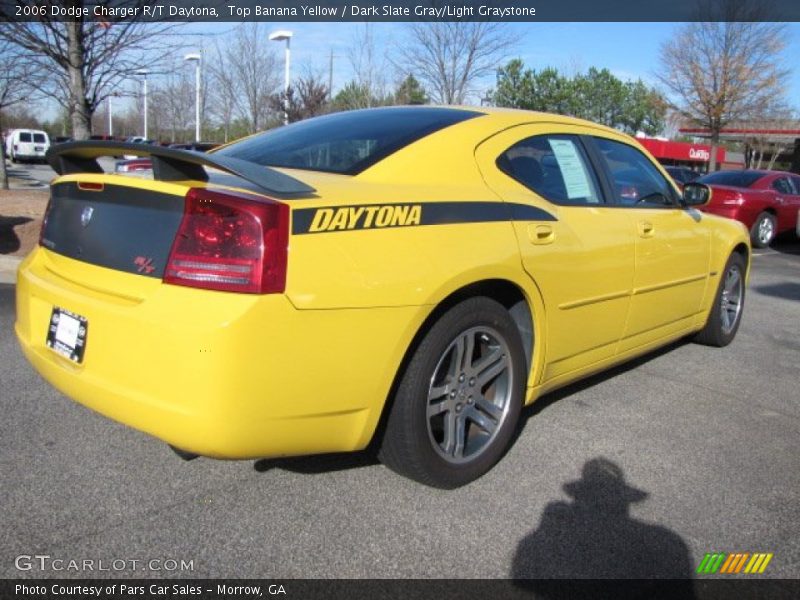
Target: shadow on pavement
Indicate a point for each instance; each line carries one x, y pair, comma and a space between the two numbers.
594, 536
787, 291
9, 241
321, 463
786, 243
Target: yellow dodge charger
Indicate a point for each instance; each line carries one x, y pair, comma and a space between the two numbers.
412, 275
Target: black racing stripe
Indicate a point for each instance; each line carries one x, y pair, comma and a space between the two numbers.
432, 213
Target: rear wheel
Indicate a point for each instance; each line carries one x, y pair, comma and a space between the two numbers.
726, 312
763, 230
459, 399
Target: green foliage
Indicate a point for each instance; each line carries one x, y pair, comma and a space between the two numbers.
354, 95
410, 91
596, 95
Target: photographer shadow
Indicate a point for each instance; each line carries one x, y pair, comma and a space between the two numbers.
595, 537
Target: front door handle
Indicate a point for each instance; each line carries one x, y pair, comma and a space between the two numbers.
541, 234
646, 229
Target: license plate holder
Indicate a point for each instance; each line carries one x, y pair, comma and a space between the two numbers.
67, 333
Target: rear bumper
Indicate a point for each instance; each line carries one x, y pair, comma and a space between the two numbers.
217, 374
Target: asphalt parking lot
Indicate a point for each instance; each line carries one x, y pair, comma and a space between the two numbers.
637, 472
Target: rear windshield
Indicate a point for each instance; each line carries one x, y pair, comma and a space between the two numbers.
346, 142
25, 137
38, 138
733, 178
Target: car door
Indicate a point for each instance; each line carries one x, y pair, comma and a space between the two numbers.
785, 199
796, 202
578, 250
672, 245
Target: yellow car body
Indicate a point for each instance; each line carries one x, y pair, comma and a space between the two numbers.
312, 369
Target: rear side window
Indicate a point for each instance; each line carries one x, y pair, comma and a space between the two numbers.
553, 166
782, 185
796, 182
346, 142
637, 181
25, 137
38, 138
742, 179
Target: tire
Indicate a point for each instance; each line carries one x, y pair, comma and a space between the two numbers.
458, 400
726, 312
763, 230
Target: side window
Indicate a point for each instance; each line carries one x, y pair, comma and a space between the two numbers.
636, 180
782, 185
796, 182
553, 166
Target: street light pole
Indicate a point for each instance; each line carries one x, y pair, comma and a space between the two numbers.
196, 57
110, 118
280, 36
143, 73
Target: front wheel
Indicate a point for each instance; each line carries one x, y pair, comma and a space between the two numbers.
763, 230
458, 401
726, 312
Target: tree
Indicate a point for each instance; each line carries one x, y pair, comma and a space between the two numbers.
83, 60
410, 92
598, 95
246, 74
645, 109
307, 98
763, 145
353, 96
175, 98
449, 57
16, 86
601, 97
725, 71
369, 67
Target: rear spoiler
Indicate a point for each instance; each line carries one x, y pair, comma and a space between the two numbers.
170, 164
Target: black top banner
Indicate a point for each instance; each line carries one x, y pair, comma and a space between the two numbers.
108, 12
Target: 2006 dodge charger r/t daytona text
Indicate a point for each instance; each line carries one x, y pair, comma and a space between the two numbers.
411, 274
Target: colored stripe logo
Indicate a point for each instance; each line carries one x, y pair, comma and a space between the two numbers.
731, 563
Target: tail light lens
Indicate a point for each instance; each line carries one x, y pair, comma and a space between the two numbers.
230, 242
727, 197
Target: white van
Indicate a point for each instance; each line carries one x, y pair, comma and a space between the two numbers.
27, 144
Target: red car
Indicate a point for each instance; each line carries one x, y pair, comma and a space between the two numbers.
767, 202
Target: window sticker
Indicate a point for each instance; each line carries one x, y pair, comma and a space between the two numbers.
576, 180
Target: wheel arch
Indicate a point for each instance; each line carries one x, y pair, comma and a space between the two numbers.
524, 307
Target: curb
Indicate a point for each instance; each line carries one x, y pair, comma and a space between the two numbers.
8, 268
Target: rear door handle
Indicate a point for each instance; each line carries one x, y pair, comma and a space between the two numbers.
646, 229
541, 234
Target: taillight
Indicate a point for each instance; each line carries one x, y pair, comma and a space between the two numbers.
727, 197
230, 242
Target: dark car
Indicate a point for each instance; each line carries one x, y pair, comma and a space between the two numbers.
767, 202
682, 175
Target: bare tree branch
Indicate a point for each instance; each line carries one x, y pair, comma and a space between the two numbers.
725, 71
85, 60
449, 57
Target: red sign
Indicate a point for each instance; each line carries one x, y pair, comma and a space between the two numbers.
682, 151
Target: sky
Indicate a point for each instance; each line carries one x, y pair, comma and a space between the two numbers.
629, 50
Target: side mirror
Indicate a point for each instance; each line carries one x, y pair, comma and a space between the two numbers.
696, 194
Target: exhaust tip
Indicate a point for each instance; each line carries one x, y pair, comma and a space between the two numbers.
183, 453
